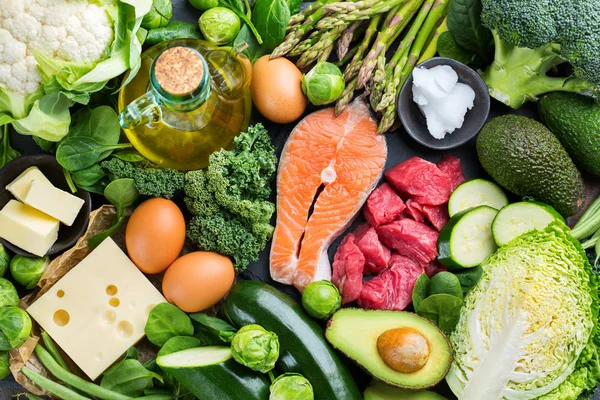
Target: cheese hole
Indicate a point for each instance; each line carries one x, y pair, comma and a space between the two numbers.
61, 317
111, 290
114, 302
60, 294
109, 317
125, 329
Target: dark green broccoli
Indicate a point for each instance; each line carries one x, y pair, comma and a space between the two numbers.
150, 180
532, 37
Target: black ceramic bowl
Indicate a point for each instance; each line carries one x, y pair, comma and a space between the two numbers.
67, 235
414, 121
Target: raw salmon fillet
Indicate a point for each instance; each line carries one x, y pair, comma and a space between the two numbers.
344, 157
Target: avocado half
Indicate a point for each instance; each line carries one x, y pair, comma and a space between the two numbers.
355, 332
380, 391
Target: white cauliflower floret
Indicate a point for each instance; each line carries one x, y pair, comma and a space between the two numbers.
71, 30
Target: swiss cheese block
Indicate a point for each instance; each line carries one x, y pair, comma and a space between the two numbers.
98, 309
28, 228
20, 186
55, 202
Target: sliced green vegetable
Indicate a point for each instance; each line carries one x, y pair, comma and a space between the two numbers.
475, 193
519, 218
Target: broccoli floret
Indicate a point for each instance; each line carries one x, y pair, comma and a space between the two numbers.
532, 37
150, 180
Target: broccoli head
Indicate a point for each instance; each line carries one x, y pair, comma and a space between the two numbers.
150, 180
532, 38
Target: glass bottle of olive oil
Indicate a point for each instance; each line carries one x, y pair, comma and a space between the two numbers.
189, 99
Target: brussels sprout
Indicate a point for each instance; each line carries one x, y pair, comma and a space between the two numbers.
204, 5
256, 348
321, 299
291, 386
15, 327
28, 270
4, 260
8, 293
159, 15
219, 25
165, 322
323, 84
4, 365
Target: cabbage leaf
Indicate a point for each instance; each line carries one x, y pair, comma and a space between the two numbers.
529, 328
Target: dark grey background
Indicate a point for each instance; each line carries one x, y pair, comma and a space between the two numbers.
400, 148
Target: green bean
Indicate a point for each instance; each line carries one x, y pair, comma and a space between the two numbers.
55, 388
51, 347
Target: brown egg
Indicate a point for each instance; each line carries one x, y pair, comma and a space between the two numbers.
198, 280
277, 89
155, 235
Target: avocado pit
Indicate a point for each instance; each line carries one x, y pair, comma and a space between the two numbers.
403, 349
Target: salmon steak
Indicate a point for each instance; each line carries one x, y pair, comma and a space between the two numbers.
329, 165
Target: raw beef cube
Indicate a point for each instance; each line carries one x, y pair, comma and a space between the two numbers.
433, 268
414, 211
437, 215
348, 266
421, 180
377, 256
392, 290
383, 206
452, 167
411, 239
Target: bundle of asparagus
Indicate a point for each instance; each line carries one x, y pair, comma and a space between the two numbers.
363, 32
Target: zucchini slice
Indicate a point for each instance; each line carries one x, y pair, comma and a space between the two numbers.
475, 193
519, 218
466, 240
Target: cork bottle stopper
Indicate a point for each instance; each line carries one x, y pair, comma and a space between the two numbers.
179, 70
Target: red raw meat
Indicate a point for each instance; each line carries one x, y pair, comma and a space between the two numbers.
414, 211
433, 268
411, 239
383, 206
452, 167
348, 266
421, 180
437, 215
377, 256
392, 289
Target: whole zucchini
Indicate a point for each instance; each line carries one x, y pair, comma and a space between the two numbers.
303, 346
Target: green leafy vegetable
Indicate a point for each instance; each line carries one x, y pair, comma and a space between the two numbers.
122, 193
243, 11
28, 270
537, 297
8, 293
204, 5
77, 153
130, 155
441, 309
448, 47
15, 327
174, 30
219, 25
89, 176
4, 365
464, 23
159, 15
291, 386
256, 348
129, 377
7, 153
321, 299
271, 18
4, 260
178, 343
294, 6
165, 322
212, 330
445, 283
254, 50
323, 84
469, 278
420, 291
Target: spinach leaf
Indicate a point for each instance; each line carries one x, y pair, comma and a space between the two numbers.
420, 291
174, 30
254, 51
122, 193
211, 329
242, 10
44, 144
271, 18
443, 310
179, 343
447, 47
469, 278
129, 155
89, 176
165, 322
464, 22
100, 123
7, 153
130, 378
81, 152
445, 283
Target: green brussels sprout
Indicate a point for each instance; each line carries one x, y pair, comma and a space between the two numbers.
166, 321
4, 260
4, 365
15, 327
204, 5
291, 386
321, 299
159, 15
256, 348
28, 270
8, 293
323, 84
219, 25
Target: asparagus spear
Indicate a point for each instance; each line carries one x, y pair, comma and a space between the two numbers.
310, 56
344, 61
306, 44
354, 66
343, 44
399, 21
344, 13
346, 96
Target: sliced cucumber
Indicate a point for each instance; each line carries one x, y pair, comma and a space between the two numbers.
466, 240
519, 218
475, 193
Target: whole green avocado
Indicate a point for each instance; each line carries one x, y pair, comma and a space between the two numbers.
575, 120
523, 156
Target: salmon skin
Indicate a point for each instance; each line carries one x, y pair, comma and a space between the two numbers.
333, 163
